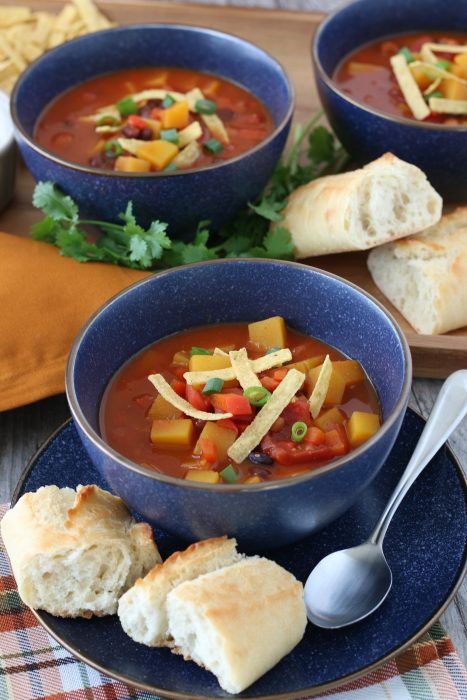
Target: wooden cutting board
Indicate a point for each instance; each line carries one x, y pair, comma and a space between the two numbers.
286, 35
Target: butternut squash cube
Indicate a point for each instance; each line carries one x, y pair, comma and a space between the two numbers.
222, 437
362, 426
336, 385
253, 480
461, 60
129, 164
329, 418
270, 333
172, 432
158, 153
162, 409
421, 77
305, 365
206, 476
176, 116
351, 370
205, 363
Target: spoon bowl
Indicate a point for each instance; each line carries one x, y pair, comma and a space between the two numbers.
348, 585
356, 579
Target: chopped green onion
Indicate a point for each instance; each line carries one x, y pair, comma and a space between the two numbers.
107, 120
195, 350
436, 93
127, 106
257, 395
213, 386
442, 63
407, 54
113, 148
170, 168
271, 350
299, 430
229, 474
205, 106
168, 101
169, 135
213, 145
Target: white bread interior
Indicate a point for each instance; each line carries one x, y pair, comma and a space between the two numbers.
142, 609
425, 276
73, 553
385, 200
238, 621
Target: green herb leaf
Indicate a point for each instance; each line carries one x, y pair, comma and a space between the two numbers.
169, 135
168, 101
127, 106
54, 203
213, 146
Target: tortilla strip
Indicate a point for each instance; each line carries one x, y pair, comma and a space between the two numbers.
432, 87
242, 368
188, 155
219, 351
446, 48
259, 365
216, 127
190, 133
270, 412
130, 145
11, 15
166, 391
432, 69
157, 94
409, 87
445, 106
318, 395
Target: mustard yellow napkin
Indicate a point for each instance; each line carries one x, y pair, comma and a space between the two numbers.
44, 300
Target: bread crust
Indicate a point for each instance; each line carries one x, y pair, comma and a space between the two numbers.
338, 213
50, 533
425, 276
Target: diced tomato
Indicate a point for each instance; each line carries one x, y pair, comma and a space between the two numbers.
156, 113
179, 387
297, 410
269, 383
137, 121
179, 371
196, 398
279, 374
231, 403
315, 436
228, 424
208, 450
336, 440
288, 453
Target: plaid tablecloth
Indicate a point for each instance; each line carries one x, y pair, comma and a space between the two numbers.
33, 665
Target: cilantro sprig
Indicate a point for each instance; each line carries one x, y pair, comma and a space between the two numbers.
314, 152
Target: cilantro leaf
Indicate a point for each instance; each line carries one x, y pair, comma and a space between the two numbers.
54, 203
321, 145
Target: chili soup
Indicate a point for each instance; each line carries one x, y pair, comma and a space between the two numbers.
240, 403
144, 120
421, 76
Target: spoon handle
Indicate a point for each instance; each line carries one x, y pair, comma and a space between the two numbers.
449, 409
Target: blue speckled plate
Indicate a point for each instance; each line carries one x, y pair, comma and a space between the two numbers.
425, 547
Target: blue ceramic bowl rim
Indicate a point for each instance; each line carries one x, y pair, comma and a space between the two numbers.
112, 173
127, 463
332, 85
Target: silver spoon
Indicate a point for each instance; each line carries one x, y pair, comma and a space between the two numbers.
348, 585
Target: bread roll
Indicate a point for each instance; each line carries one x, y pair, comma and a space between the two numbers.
425, 276
386, 199
73, 553
239, 621
142, 609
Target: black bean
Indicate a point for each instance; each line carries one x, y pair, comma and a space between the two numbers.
101, 160
263, 472
145, 111
258, 457
146, 134
131, 132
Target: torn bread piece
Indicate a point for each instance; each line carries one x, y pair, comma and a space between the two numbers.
385, 200
142, 609
425, 276
73, 553
238, 622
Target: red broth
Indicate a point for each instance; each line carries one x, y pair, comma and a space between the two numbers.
366, 74
64, 130
126, 422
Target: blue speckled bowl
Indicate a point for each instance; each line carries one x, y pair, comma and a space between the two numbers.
440, 151
183, 199
317, 303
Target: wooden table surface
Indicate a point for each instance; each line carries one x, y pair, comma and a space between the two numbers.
22, 430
